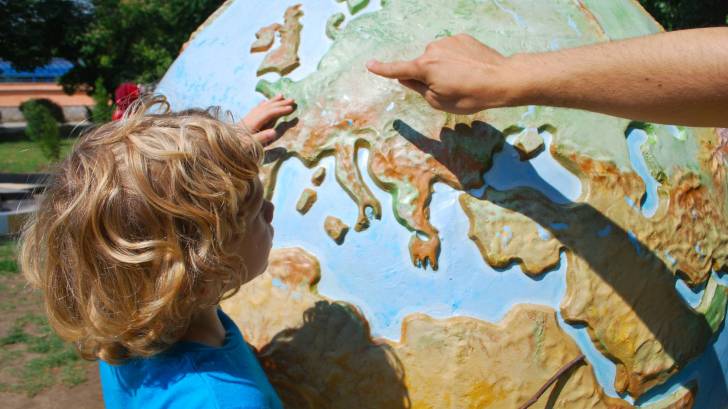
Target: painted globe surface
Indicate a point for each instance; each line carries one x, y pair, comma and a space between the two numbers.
430, 260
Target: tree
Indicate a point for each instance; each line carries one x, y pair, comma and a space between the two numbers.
101, 112
134, 40
34, 31
116, 41
682, 14
42, 128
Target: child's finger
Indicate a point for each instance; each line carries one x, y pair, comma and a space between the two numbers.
277, 111
269, 118
280, 111
281, 104
265, 137
288, 101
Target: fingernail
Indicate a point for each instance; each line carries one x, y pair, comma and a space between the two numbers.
372, 63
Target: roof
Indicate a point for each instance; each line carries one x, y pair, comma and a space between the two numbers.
47, 73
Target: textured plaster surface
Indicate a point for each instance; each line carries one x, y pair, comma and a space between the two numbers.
284, 59
626, 302
264, 38
333, 25
318, 176
336, 229
356, 6
620, 279
529, 143
342, 107
321, 352
307, 199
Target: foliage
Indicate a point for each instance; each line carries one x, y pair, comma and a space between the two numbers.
111, 40
134, 40
55, 109
101, 111
42, 128
34, 31
682, 14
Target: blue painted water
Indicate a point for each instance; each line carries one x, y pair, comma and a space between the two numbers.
708, 370
635, 139
722, 279
604, 370
541, 173
373, 269
516, 17
691, 296
574, 27
229, 81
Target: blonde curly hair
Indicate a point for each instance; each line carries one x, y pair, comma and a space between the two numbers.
129, 241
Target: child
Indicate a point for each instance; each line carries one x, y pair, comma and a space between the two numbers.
147, 225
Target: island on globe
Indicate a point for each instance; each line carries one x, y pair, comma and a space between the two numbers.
521, 256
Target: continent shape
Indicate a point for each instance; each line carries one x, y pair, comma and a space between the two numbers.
320, 353
620, 280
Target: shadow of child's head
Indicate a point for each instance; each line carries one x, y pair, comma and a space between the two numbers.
331, 361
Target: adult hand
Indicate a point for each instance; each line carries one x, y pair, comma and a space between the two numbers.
456, 74
259, 121
678, 78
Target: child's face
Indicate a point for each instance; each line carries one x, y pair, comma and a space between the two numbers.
255, 245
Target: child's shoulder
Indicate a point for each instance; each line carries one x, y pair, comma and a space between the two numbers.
191, 375
162, 383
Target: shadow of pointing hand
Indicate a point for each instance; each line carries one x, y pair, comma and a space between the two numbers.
331, 361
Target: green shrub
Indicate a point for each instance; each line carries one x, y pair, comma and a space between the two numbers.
42, 128
102, 109
55, 109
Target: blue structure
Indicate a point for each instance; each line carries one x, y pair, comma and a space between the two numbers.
48, 73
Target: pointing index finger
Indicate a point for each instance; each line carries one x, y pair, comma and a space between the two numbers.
401, 70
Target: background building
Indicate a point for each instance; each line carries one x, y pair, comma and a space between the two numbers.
17, 87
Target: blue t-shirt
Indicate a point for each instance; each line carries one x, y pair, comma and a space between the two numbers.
190, 376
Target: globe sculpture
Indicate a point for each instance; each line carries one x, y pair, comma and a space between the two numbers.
518, 256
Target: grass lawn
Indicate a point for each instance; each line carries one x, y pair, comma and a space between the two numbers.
32, 357
26, 157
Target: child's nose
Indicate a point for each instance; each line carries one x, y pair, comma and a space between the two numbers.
268, 211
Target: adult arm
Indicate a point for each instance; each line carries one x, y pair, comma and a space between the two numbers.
678, 78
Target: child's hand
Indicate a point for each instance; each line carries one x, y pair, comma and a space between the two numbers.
260, 119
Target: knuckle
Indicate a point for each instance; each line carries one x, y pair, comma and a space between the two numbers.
426, 61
